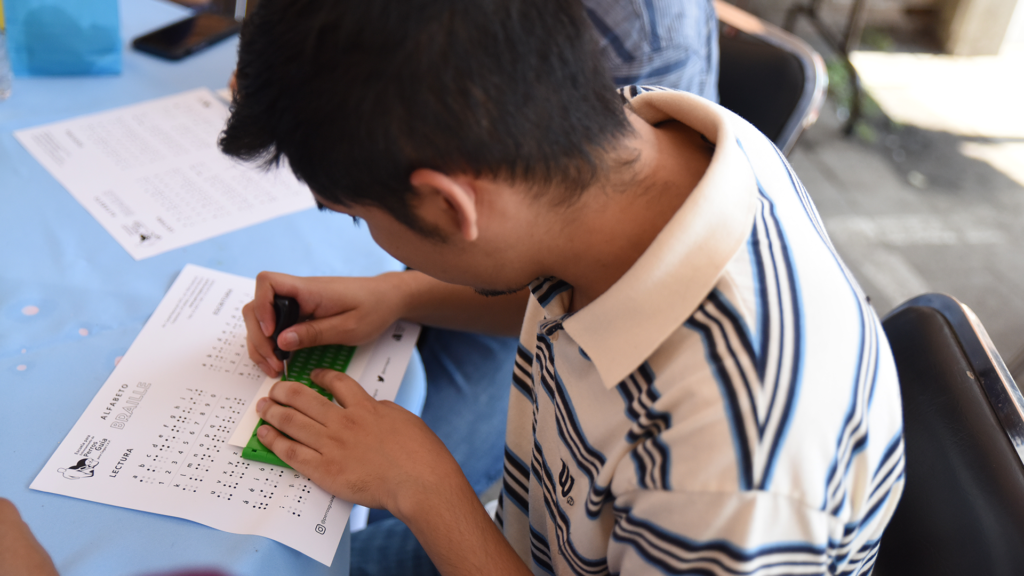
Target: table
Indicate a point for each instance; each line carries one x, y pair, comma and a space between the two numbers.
72, 301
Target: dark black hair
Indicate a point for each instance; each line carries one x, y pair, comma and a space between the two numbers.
356, 94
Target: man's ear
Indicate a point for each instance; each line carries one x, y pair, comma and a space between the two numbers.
446, 201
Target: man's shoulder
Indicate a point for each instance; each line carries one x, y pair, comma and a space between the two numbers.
786, 341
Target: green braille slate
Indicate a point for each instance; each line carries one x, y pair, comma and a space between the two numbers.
302, 363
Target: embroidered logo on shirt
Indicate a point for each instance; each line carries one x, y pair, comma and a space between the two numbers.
566, 482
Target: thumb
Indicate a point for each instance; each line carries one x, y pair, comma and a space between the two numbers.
318, 332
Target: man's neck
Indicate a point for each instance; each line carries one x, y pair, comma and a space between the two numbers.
602, 236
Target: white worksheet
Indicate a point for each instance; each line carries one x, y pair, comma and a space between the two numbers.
155, 437
153, 177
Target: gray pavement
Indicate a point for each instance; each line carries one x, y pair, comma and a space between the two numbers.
910, 213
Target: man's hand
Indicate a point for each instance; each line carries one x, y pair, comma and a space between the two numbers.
349, 311
368, 452
377, 454
20, 552
355, 311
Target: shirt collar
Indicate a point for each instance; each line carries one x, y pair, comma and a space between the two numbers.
625, 325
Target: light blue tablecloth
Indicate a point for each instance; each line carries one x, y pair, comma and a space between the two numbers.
56, 258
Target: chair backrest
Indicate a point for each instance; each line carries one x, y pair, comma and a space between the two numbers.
770, 77
962, 510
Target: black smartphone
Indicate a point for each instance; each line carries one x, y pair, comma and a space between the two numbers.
180, 39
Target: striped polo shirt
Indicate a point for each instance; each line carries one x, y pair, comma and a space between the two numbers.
729, 406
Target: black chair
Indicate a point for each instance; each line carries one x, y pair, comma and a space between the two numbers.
962, 511
768, 76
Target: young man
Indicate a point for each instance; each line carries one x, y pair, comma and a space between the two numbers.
700, 385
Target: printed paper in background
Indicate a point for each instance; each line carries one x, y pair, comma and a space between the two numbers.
153, 177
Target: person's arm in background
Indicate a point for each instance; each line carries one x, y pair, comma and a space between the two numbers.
20, 553
659, 43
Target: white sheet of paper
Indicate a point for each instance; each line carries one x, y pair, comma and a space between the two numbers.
155, 436
153, 177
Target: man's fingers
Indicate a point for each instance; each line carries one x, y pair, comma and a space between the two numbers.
290, 421
305, 400
269, 284
346, 391
263, 363
293, 453
263, 302
331, 330
261, 350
